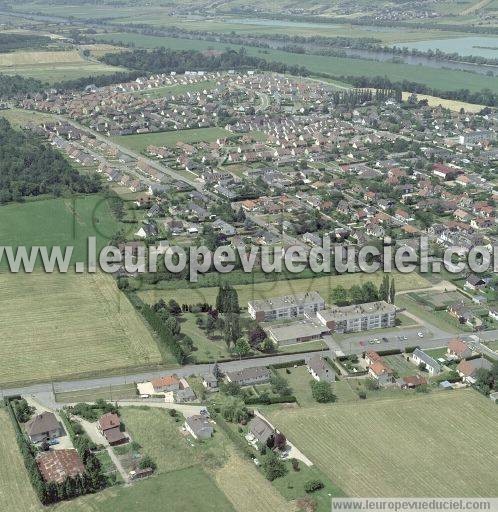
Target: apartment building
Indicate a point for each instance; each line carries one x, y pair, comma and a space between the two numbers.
286, 307
359, 317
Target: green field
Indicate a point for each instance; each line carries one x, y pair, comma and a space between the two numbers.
139, 142
54, 326
59, 222
442, 79
323, 285
52, 66
398, 447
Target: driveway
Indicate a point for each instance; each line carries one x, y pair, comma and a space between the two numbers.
95, 435
293, 452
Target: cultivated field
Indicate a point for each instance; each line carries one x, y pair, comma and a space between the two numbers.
57, 325
431, 445
323, 285
456, 106
52, 66
141, 141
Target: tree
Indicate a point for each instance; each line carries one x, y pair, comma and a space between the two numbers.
231, 331
280, 442
231, 388
322, 392
313, 485
392, 292
210, 325
339, 296
279, 385
256, 335
174, 308
273, 467
242, 347
384, 288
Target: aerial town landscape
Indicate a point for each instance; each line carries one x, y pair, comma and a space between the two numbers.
204, 162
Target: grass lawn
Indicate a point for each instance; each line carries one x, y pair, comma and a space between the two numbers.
139, 142
118, 392
440, 319
300, 381
248, 292
369, 448
20, 117
292, 486
207, 350
55, 326
436, 353
59, 222
400, 365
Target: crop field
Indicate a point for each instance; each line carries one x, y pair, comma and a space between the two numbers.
59, 222
58, 325
248, 292
51, 66
455, 106
139, 142
431, 445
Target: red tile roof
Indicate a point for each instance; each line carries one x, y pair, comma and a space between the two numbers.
57, 465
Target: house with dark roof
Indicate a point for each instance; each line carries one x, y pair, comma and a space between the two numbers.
109, 426
261, 430
43, 427
249, 376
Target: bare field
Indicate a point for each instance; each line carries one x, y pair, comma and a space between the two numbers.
57, 325
433, 445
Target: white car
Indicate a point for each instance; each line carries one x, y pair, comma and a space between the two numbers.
420, 334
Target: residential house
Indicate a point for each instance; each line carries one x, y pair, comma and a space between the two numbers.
261, 430
199, 427
43, 427
381, 373
109, 426
421, 358
468, 369
319, 369
457, 349
249, 376
166, 384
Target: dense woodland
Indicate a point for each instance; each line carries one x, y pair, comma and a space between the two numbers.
10, 42
31, 167
164, 60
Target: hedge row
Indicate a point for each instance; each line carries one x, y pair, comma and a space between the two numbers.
268, 400
167, 338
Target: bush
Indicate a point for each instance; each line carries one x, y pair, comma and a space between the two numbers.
313, 485
273, 467
362, 395
147, 462
322, 392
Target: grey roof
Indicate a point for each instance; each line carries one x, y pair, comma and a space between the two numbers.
427, 359
319, 365
299, 299
355, 310
260, 429
44, 422
200, 425
185, 394
249, 374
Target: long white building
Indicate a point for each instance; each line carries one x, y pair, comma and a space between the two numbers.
286, 307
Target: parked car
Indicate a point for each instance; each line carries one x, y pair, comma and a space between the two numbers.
420, 334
